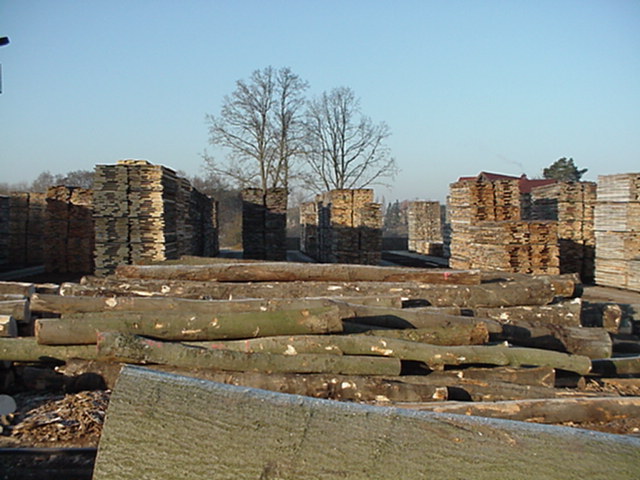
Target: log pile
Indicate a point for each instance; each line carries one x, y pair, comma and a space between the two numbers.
617, 231
425, 228
345, 226
4, 229
69, 230
572, 205
145, 212
26, 228
264, 223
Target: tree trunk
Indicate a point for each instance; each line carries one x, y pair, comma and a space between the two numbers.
18, 309
552, 410
266, 435
617, 366
80, 304
289, 272
537, 376
565, 313
8, 326
433, 356
565, 285
17, 288
526, 292
82, 328
135, 349
27, 349
469, 334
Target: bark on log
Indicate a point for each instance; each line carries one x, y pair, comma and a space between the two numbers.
539, 376
17, 288
565, 285
273, 436
290, 272
434, 356
81, 304
555, 410
590, 342
18, 309
617, 366
471, 334
128, 348
27, 349
77, 329
8, 326
565, 313
526, 292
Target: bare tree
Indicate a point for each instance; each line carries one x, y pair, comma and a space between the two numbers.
259, 125
345, 149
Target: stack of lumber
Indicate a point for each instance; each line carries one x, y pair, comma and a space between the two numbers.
145, 212
349, 227
350, 332
264, 223
309, 229
69, 230
425, 228
4, 229
617, 231
572, 205
26, 228
487, 233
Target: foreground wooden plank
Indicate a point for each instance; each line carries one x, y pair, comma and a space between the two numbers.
291, 272
244, 433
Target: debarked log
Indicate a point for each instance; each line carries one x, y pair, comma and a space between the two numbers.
129, 348
83, 304
552, 410
434, 356
82, 328
498, 294
27, 349
291, 271
280, 436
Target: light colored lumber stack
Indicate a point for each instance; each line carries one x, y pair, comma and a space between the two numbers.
617, 231
572, 205
425, 227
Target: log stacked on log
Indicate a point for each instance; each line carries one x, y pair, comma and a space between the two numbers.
344, 226
4, 229
572, 205
425, 228
264, 223
617, 230
144, 212
69, 230
26, 228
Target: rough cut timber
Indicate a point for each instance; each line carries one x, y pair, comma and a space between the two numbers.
26, 228
272, 435
425, 227
617, 231
264, 222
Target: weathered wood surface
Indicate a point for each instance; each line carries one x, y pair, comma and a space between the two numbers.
550, 410
435, 356
290, 271
565, 285
539, 376
27, 349
83, 304
565, 313
290, 437
17, 288
498, 294
82, 328
617, 366
461, 334
17, 308
8, 326
135, 349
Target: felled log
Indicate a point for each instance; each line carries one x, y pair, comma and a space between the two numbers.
82, 304
76, 329
434, 356
552, 410
291, 272
540, 376
272, 435
27, 349
591, 342
8, 326
18, 308
129, 348
17, 288
565, 313
462, 334
526, 292
565, 285
617, 366
602, 314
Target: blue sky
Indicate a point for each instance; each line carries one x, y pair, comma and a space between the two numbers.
465, 86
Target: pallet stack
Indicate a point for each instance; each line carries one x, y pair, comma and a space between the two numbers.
487, 232
143, 212
572, 205
425, 228
4, 229
347, 225
264, 223
617, 231
69, 230
26, 228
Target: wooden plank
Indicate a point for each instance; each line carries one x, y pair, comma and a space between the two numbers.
267, 435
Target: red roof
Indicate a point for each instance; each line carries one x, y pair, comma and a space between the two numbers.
526, 184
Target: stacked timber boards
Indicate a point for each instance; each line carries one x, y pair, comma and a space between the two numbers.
487, 232
425, 227
264, 223
26, 228
145, 212
4, 229
617, 230
572, 205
